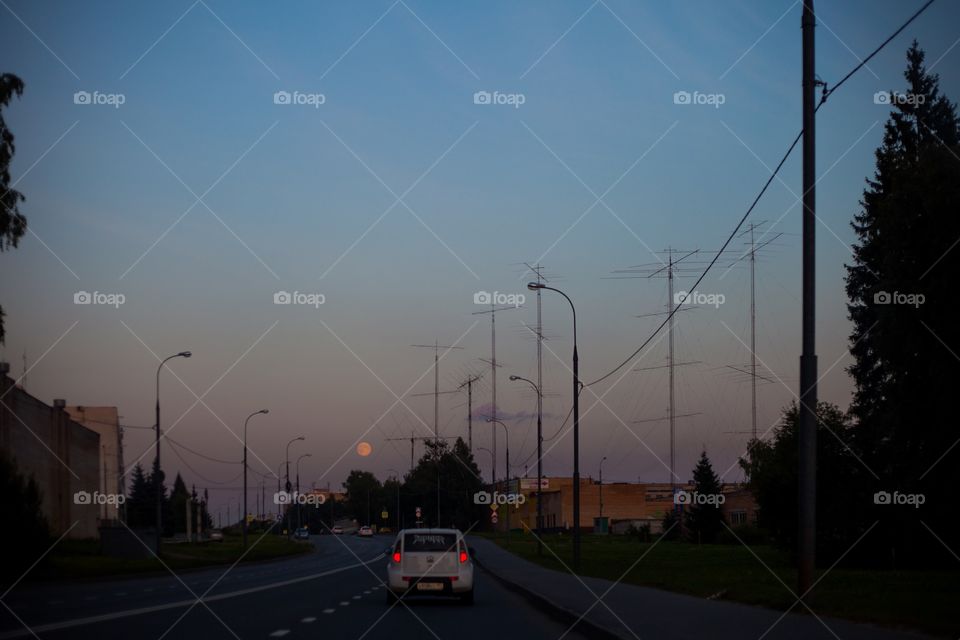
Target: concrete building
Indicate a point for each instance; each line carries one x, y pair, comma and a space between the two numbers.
625, 504
106, 422
62, 456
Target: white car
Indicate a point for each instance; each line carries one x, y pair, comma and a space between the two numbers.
430, 562
365, 532
337, 531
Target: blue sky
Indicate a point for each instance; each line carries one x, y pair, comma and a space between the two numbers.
304, 198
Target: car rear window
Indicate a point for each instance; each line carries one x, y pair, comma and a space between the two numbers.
430, 542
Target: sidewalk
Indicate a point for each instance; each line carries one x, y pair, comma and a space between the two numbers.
632, 612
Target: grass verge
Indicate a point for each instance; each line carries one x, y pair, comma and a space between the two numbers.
759, 575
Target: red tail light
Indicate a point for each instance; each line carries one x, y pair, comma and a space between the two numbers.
396, 557
463, 557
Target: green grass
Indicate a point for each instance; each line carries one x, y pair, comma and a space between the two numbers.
82, 559
923, 600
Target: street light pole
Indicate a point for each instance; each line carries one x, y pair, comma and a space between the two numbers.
305, 455
539, 458
601, 485
158, 480
506, 436
288, 486
493, 463
244, 526
396, 474
534, 286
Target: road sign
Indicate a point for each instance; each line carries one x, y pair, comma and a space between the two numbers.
418, 512
493, 517
384, 515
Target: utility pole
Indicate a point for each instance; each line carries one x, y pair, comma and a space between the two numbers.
807, 454
469, 384
436, 346
493, 370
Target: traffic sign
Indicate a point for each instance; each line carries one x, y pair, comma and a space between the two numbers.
493, 517
384, 515
418, 512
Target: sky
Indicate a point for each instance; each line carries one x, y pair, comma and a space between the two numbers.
388, 161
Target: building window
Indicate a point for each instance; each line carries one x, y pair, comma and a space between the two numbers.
738, 517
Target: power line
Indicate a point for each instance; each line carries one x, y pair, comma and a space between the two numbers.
201, 455
199, 475
826, 94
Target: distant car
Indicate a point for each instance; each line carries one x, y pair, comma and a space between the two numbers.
430, 562
302, 534
216, 535
337, 530
365, 532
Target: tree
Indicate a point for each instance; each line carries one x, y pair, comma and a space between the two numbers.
772, 476
178, 505
12, 223
702, 517
445, 479
26, 534
904, 370
363, 495
140, 506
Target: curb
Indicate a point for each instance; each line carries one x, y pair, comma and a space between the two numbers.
554, 610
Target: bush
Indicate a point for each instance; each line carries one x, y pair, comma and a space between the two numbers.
26, 535
747, 533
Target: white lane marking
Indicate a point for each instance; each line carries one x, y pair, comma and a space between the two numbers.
279, 633
66, 624
366, 591
356, 597
344, 604
329, 610
308, 620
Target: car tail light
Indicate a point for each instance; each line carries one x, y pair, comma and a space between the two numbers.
396, 557
463, 556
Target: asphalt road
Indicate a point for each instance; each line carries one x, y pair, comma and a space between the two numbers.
336, 592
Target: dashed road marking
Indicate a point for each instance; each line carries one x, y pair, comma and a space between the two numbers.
308, 620
279, 633
329, 610
356, 597
344, 604
366, 591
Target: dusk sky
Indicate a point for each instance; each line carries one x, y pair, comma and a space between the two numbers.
194, 191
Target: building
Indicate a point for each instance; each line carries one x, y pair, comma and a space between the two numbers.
62, 456
625, 504
106, 422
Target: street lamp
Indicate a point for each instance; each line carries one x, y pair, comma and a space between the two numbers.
305, 455
396, 474
244, 526
288, 486
601, 485
539, 454
493, 463
534, 286
158, 480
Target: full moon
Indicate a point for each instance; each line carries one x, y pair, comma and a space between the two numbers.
364, 449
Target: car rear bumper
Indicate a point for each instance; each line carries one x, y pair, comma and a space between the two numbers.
399, 583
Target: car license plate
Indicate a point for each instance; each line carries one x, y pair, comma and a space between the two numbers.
429, 586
